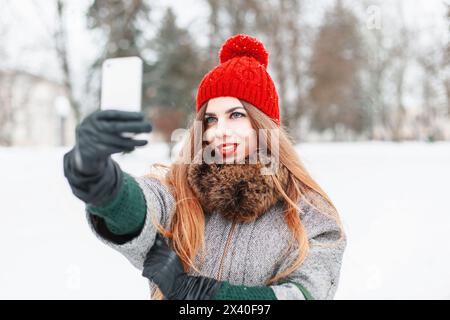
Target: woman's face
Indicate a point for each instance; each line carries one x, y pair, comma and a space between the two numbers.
228, 129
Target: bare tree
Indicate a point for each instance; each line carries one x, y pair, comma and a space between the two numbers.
434, 90
446, 62
296, 60
15, 92
15, 89
335, 67
271, 22
429, 111
388, 53
378, 62
60, 44
401, 53
214, 34
6, 112
7, 119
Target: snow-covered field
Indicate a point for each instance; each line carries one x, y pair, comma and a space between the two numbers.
393, 199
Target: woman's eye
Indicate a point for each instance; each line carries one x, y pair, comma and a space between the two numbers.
237, 113
233, 115
207, 120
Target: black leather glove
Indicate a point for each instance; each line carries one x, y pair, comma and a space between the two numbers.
99, 135
163, 266
93, 175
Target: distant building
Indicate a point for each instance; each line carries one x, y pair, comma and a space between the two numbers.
34, 111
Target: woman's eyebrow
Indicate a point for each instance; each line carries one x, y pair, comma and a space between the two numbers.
228, 111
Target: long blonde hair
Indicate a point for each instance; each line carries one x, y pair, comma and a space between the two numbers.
188, 222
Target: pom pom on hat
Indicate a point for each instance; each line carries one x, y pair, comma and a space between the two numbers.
244, 45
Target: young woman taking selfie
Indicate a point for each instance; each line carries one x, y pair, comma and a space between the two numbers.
216, 223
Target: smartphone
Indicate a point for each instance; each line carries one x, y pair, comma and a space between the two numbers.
121, 87
122, 84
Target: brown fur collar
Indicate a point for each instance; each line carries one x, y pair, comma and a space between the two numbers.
237, 191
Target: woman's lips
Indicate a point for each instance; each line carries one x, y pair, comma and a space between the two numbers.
227, 148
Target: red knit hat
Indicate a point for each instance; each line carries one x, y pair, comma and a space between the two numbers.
242, 74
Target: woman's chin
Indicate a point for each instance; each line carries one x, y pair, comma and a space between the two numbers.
228, 159
231, 158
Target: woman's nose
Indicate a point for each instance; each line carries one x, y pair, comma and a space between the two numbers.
222, 129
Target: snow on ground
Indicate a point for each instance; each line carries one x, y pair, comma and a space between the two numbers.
392, 199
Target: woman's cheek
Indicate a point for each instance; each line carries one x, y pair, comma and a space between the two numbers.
208, 135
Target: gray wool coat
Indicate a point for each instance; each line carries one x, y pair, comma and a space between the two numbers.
244, 253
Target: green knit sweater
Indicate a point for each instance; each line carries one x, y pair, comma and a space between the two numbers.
234, 292
125, 214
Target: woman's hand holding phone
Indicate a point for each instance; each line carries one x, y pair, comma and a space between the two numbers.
100, 135
93, 175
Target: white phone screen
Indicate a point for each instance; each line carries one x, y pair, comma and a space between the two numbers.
122, 84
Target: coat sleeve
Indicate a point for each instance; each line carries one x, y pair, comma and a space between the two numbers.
318, 276
160, 204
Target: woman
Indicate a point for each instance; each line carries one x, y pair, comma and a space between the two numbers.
244, 218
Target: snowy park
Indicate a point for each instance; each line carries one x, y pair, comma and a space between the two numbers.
392, 197
361, 89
